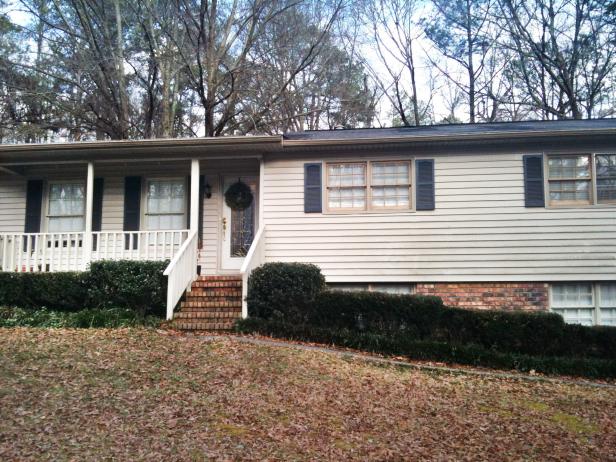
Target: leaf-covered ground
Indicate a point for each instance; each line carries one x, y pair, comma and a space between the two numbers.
132, 394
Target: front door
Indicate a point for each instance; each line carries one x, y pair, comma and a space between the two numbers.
238, 227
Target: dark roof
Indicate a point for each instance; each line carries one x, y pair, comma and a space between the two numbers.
456, 130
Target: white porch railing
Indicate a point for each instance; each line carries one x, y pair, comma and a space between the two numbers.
181, 272
254, 258
52, 252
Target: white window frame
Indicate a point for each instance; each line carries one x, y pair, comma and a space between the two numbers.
368, 208
593, 198
47, 199
596, 299
144, 203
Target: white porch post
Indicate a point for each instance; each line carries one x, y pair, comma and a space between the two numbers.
194, 195
87, 240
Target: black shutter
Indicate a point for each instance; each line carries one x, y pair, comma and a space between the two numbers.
132, 207
34, 205
533, 181
97, 204
424, 169
312, 188
201, 201
188, 190
97, 209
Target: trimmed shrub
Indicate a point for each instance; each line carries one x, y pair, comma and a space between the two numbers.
135, 285
138, 285
283, 290
89, 318
401, 344
422, 327
57, 291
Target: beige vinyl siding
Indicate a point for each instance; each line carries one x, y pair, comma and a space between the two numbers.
12, 204
480, 230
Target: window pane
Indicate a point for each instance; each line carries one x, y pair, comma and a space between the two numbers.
66, 199
572, 295
349, 287
607, 295
576, 316
396, 289
347, 175
570, 167
606, 177
66, 224
390, 196
607, 316
390, 173
570, 191
166, 196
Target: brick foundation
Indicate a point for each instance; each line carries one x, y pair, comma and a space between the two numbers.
528, 296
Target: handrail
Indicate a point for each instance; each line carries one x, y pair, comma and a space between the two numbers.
181, 272
254, 258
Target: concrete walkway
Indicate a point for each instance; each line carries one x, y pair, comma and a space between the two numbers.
383, 361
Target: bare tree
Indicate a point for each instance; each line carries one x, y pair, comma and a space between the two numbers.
565, 55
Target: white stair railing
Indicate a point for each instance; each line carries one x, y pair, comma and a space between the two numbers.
254, 258
181, 272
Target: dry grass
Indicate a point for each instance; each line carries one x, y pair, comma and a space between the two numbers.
139, 395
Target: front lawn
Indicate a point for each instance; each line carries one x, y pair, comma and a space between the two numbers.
131, 394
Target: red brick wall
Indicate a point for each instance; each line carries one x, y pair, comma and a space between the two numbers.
490, 295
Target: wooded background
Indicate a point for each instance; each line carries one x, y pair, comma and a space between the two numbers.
129, 69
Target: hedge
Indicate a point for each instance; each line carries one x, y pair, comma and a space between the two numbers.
404, 345
135, 285
422, 327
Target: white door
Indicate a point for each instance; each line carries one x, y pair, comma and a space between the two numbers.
238, 227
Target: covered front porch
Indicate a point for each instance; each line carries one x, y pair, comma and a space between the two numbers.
61, 214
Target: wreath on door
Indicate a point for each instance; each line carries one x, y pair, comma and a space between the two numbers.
239, 196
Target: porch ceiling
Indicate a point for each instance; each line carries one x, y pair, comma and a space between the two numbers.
155, 149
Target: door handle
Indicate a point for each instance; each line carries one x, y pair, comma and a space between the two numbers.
224, 226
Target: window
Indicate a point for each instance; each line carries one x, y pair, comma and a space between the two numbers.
396, 288
369, 186
607, 304
585, 303
569, 179
581, 179
606, 178
390, 185
66, 212
166, 204
346, 186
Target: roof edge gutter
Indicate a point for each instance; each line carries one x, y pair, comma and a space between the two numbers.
139, 144
458, 137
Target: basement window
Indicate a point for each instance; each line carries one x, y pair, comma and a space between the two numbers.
397, 288
585, 303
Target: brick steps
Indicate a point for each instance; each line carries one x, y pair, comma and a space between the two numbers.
213, 303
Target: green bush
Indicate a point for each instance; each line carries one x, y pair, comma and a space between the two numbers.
401, 344
58, 291
422, 327
283, 290
139, 285
89, 318
135, 285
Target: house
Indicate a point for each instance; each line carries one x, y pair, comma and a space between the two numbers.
518, 215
